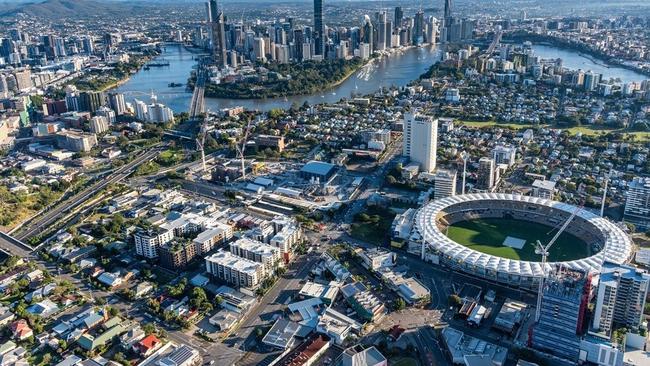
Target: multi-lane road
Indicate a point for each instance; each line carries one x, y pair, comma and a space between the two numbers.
38, 224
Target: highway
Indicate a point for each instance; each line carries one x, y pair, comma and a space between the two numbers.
197, 105
38, 224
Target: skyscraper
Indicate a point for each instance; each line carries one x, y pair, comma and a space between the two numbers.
399, 15
621, 297
421, 140
216, 19
367, 33
565, 299
319, 28
418, 28
447, 14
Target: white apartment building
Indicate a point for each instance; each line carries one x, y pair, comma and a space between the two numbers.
234, 270
620, 300
377, 258
259, 252
444, 183
504, 155
286, 239
207, 239
421, 140
147, 242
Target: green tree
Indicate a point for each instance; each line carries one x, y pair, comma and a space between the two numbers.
400, 304
454, 300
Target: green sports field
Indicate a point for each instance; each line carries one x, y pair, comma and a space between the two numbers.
487, 236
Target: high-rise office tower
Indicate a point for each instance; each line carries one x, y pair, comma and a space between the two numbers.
382, 30
421, 140
367, 32
399, 15
447, 14
319, 28
418, 28
217, 24
621, 297
637, 204
565, 298
88, 45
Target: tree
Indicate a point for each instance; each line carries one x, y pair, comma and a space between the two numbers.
113, 311
218, 300
454, 300
120, 358
149, 328
400, 304
199, 298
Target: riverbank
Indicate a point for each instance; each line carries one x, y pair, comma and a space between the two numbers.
396, 69
284, 80
582, 49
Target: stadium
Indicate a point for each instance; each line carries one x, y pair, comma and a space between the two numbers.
493, 235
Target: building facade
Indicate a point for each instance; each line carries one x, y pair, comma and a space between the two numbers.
620, 299
421, 140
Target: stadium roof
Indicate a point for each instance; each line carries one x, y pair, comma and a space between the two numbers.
617, 248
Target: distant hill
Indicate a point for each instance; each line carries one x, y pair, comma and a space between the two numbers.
57, 9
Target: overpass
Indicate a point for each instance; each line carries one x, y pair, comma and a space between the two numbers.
13, 246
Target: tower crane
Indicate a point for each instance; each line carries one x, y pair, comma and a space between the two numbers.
241, 149
200, 143
543, 250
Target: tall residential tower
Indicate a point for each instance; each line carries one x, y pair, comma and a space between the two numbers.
421, 140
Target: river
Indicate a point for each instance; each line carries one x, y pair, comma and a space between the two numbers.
574, 60
397, 69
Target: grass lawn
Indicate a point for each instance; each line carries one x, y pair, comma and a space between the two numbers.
487, 236
585, 130
404, 361
375, 229
479, 124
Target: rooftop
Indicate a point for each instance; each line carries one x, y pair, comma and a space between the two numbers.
230, 260
281, 333
318, 167
255, 246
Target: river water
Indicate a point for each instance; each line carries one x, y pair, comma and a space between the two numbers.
397, 69
574, 60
